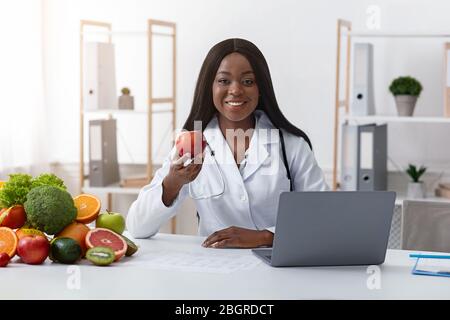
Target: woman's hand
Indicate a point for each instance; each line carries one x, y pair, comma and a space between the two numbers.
180, 175
235, 237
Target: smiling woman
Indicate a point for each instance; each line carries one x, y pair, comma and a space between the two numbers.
22, 137
238, 180
235, 93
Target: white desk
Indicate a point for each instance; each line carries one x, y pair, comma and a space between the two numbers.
123, 280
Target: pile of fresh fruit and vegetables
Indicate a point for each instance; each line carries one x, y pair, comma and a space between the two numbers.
39, 219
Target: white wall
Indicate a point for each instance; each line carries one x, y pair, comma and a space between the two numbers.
21, 86
298, 39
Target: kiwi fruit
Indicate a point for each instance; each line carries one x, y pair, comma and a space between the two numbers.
131, 246
100, 256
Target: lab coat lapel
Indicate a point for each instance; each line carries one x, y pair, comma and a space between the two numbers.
258, 154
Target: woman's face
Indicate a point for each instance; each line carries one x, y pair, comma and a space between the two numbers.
235, 93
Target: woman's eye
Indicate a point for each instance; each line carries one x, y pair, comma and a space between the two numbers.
248, 82
223, 81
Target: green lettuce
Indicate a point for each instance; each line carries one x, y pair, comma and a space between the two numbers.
15, 190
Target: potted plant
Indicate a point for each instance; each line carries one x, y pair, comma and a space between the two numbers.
416, 188
126, 101
406, 90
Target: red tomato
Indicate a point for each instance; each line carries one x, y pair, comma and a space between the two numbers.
4, 259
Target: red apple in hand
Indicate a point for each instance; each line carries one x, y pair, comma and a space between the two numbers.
13, 217
190, 142
33, 249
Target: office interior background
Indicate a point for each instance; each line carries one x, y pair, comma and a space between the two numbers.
40, 78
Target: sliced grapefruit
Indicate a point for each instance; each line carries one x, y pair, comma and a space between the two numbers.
88, 208
8, 241
101, 237
76, 231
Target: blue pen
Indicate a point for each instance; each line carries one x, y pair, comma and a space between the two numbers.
428, 256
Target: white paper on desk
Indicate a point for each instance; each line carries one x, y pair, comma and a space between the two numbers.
207, 261
434, 265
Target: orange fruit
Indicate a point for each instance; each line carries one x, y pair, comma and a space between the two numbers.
24, 232
1, 184
88, 208
8, 241
76, 231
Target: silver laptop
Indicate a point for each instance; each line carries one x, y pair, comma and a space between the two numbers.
331, 229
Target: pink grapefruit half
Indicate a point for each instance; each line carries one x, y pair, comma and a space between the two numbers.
101, 237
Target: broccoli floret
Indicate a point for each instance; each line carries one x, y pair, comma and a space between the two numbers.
49, 209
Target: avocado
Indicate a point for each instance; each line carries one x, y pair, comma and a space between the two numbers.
64, 250
131, 246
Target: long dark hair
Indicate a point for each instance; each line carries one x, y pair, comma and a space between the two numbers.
203, 106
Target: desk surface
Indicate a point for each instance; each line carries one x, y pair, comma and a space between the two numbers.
124, 280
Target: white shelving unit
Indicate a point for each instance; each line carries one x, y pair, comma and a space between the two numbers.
387, 119
164, 104
344, 29
114, 112
113, 189
402, 197
395, 35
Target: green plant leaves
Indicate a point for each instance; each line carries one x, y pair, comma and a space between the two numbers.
405, 86
415, 173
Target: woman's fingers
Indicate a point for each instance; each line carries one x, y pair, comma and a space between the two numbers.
225, 243
179, 162
215, 238
235, 237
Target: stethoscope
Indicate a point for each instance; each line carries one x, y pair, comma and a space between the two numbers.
222, 180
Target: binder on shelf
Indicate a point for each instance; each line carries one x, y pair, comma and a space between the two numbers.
447, 79
364, 157
100, 76
103, 164
363, 103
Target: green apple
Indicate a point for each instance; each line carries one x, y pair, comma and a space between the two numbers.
112, 221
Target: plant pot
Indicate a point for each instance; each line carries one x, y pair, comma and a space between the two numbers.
416, 190
126, 102
405, 105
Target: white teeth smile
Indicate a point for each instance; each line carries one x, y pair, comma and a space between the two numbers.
235, 104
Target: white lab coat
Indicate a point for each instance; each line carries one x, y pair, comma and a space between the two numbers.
246, 197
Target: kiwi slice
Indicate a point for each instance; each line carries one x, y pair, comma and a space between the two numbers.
100, 256
131, 246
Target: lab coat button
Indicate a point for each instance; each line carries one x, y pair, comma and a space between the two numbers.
243, 197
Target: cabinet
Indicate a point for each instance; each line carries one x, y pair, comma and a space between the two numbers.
345, 35
154, 104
